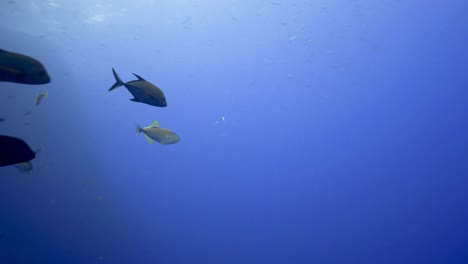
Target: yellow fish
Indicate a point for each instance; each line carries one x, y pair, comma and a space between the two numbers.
161, 135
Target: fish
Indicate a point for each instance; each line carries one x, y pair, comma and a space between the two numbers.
155, 133
25, 167
2, 119
19, 68
142, 91
41, 96
14, 150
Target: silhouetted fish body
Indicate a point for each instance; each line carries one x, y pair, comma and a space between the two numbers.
19, 68
14, 150
142, 91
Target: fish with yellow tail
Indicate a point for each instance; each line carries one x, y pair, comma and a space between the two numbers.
155, 133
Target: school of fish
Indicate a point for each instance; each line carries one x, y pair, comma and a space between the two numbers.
23, 69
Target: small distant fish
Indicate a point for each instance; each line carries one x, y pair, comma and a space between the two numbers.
276, 3
19, 68
161, 135
26, 167
142, 91
41, 96
14, 151
186, 21
84, 184
2, 119
27, 113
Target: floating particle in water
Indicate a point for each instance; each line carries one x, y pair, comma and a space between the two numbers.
220, 120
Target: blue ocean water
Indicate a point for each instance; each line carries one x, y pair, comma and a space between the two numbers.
312, 131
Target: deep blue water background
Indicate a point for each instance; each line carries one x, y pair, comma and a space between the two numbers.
345, 135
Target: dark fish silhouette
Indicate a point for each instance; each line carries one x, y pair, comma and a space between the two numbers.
14, 150
19, 68
143, 91
2, 119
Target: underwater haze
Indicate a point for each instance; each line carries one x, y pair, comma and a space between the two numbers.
311, 131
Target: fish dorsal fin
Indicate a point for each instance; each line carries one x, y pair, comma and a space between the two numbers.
139, 77
155, 124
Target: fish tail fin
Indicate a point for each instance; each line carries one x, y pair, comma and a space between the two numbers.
118, 81
138, 129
